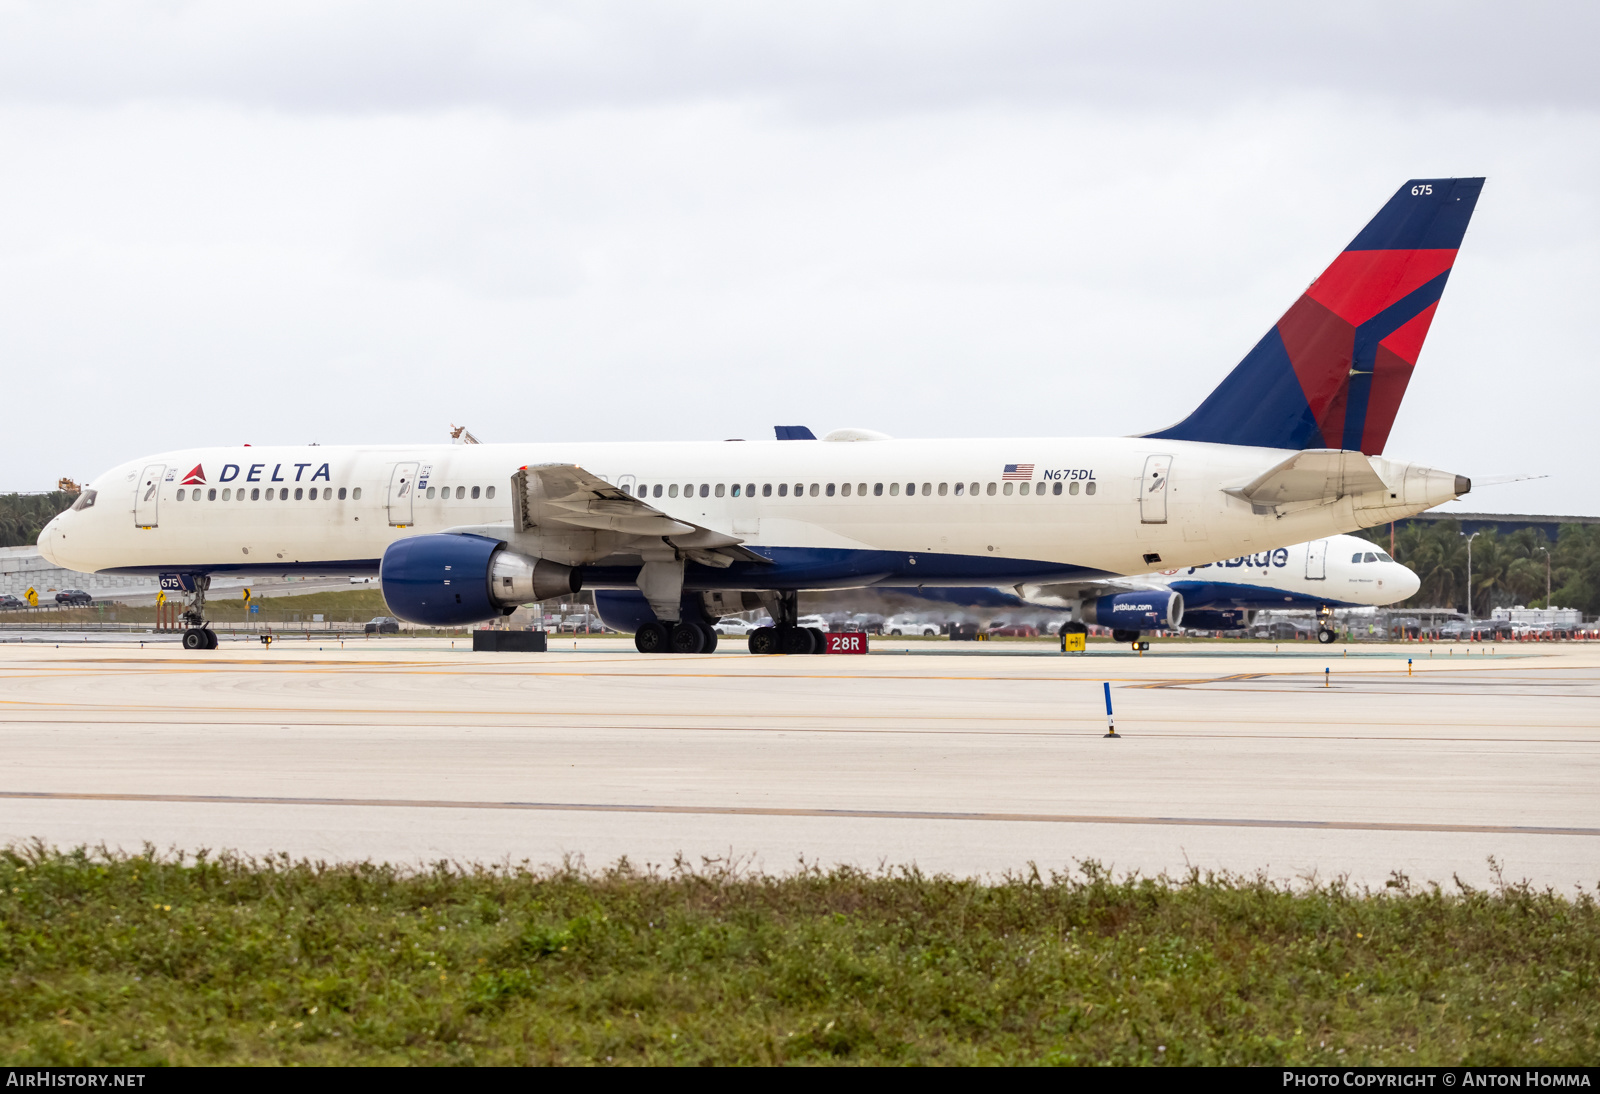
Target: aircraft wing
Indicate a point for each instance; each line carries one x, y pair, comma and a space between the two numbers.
1083, 590
555, 498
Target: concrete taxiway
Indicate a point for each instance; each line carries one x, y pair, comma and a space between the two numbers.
965, 760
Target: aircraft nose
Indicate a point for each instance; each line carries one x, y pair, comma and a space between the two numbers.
1407, 581
49, 535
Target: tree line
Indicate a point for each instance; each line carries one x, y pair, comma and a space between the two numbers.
23, 516
1507, 567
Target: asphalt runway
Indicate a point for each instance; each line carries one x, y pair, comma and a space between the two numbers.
969, 760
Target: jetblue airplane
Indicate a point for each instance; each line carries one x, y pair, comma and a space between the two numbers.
672, 535
1337, 572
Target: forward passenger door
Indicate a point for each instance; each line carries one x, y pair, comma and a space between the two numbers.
402, 493
1317, 560
147, 499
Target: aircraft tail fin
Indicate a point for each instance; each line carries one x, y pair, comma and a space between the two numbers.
1331, 373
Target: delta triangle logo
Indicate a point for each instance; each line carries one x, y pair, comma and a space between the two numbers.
197, 477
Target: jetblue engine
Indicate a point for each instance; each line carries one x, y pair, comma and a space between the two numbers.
451, 579
1136, 611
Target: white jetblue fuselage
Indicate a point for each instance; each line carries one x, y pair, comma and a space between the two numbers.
1337, 572
828, 514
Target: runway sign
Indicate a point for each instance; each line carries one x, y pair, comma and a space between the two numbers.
849, 642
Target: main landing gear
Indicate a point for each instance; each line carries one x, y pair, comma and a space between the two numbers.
787, 640
681, 637
786, 635
197, 635
684, 636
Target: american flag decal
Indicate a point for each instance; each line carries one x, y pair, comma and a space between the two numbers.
1023, 471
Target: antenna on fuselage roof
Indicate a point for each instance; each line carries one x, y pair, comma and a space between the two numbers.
462, 435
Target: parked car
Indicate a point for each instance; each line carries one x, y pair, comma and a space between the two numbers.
817, 621
733, 626
7, 602
383, 624
905, 624
73, 596
867, 622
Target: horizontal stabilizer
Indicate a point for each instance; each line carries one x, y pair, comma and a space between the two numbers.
1319, 474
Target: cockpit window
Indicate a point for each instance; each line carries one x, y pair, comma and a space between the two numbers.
1369, 557
1383, 557
85, 500
1356, 557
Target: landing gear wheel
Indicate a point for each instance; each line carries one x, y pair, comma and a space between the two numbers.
710, 635
794, 640
195, 639
1124, 636
211, 639
651, 638
1325, 637
764, 640
819, 640
687, 638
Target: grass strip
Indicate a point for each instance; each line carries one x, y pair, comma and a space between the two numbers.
152, 959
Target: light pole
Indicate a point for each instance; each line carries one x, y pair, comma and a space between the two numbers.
1470, 538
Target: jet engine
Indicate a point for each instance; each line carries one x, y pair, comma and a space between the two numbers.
1136, 611
452, 579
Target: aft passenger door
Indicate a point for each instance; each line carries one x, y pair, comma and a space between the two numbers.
1317, 560
148, 496
402, 492
1153, 490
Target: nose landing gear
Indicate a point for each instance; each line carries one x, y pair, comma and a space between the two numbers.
1325, 625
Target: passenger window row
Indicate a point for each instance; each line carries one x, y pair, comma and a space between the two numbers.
461, 492
926, 489
301, 493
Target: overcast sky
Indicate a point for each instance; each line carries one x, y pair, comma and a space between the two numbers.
362, 222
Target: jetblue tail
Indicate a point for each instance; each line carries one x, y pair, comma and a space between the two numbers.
1333, 370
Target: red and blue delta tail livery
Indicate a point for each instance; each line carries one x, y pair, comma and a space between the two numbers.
1331, 373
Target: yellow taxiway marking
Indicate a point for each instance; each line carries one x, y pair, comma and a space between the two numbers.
631, 719
760, 811
536, 673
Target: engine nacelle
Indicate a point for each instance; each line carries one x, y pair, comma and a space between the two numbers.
1136, 611
450, 579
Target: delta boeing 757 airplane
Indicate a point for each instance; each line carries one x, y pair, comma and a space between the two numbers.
670, 536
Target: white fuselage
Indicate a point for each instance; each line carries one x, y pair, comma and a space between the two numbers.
1340, 571
945, 510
